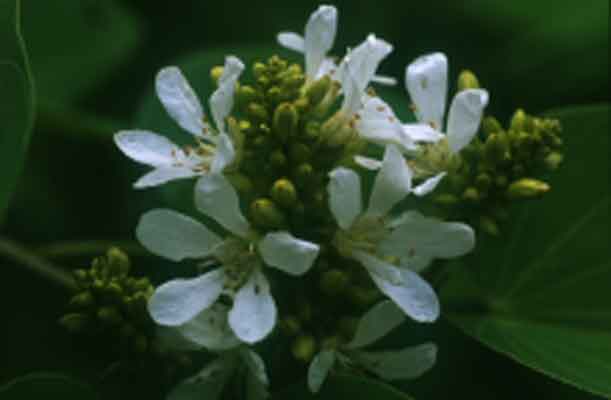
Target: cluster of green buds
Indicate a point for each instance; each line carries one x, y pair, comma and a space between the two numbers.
109, 306
498, 168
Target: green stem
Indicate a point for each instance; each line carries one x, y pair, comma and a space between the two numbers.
88, 248
22, 256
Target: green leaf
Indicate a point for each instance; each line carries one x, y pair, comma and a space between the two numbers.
48, 386
345, 387
75, 44
540, 294
16, 100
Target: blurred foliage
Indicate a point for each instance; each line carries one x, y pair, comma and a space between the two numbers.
51, 386
96, 60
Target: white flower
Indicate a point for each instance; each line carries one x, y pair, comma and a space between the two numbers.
370, 237
320, 32
241, 255
213, 151
408, 363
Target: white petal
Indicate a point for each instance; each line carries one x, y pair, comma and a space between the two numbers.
421, 236
344, 190
283, 251
292, 41
423, 133
320, 34
224, 154
378, 267
413, 295
180, 300
465, 116
408, 363
221, 101
254, 312
179, 100
378, 123
368, 163
327, 67
216, 198
427, 83
175, 236
319, 369
377, 323
163, 175
392, 184
207, 384
384, 80
210, 329
148, 148
428, 185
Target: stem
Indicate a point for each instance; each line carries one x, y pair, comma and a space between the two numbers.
88, 248
17, 253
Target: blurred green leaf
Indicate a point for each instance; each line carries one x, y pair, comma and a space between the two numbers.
46, 386
16, 99
345, 387
540, 295
75, 44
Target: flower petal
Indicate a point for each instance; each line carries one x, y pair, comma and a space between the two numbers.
426, 80
465, 116
377, 323
378, 123
216, 198
320, 34
392, 184
179, 301
319, 369
428, 185
254, 312
163, 175
221, 101
423, 133
179, 100
283, 251
148, 148
421, 236
408, 363
384, 80
413, 295
224, 154
368, 163
378, 267
344, 190
210, 329
175, 236
292, 41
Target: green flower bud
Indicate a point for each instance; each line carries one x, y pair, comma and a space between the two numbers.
553, 160
489, 226
483, 182
471, 194
304, 174
259, 69
110, 316
284, 193
82, 300
334, 281
446, 199
491, 125
302, 104
74, 322
518, 121
266, 214
216, 73
467, 80
286, 120
257, 112
117, 262
304, 348
80, 276
497, 147
278, 160
317, 90
312, 130
245, 95
290, 326
527, 188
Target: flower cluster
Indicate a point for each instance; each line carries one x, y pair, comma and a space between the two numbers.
288, 241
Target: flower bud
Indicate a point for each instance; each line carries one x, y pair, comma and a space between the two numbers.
467, 80
82, 300
110, 316
117, 262
215, 73
266, 214
317, 90
304, 174
259, 69
333, 281
284, 193
304, 348
277, 159
245, 95
257, 112
497, 147
446, 199
286, 120
553, 160
471, 194
491, 125
518, 121
527, 188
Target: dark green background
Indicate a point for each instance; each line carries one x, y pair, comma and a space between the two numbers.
538, 55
